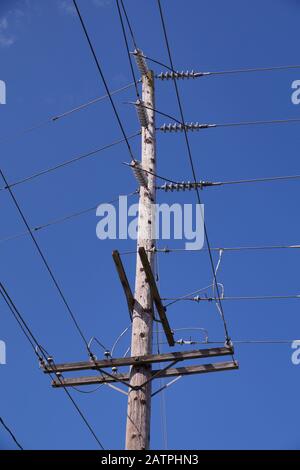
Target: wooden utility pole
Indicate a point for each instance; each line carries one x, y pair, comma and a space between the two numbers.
139, 401
139, 377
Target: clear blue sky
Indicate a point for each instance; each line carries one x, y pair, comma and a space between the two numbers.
48, 69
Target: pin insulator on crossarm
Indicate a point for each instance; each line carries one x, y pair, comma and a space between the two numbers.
184, 341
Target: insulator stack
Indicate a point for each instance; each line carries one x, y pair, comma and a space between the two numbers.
139, 174
142, 113
176, 75
184, 186
141, 62
187, 126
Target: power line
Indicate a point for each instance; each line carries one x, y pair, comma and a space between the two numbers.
33, 341
127, 47
193, 170
213, 299
202, 184
95, 100
163, 410
151, 173
161, 113
261, 341
102, 77
153, 60
218, 72
61, 219
229, 248
21, 322
254, 123
67, 162
177, 75
188, 296
247, 341
181, 126
185, 127
129, 25
167, 250
255, 69
11, 434
188, 186
259, 180
83, 417
46, 264
65, 114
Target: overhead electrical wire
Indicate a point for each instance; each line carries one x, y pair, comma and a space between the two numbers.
196, 126
152, 173
258, 180
11, 433
67, 162
188, 186
62, 219
44, 259
229, 71
20, 320
93, 101
228, 248
212, 299
163, 408
254, 69
129, 25
235, 341
103, 78
161, 113
37, 347
71, 313
184, 297
182, 126
64, 114
127, 48
254, 123
193, 170
218, 298
168, 250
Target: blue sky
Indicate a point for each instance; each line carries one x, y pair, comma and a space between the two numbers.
48, 69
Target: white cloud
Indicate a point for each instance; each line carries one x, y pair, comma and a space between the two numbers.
11, 22
67, 7
6, 39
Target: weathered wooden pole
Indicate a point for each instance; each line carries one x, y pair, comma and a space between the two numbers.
139, 401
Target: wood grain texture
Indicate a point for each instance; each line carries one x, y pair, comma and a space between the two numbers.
139, 402
139, 360
188, 370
